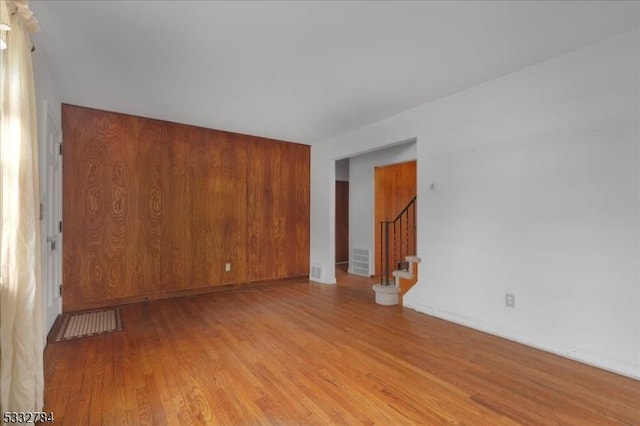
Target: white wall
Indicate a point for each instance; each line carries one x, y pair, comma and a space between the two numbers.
539, 196
362, 194
45, 86
342, 170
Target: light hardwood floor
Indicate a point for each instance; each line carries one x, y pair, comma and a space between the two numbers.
303, 353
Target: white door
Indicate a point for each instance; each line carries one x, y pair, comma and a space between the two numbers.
51, 216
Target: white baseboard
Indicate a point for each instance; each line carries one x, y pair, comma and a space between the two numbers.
329, 282
594, 360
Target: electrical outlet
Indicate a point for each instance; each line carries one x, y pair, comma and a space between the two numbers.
510, 300
227, 267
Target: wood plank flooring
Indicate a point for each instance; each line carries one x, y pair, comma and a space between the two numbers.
304, 353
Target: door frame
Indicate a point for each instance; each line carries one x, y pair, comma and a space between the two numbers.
50, 216
387, 201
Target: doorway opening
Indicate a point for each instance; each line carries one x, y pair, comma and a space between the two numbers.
342, 215
395, 191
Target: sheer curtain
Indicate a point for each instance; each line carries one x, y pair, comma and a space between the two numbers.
21, 326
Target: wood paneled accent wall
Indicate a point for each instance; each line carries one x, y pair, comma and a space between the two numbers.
153, 209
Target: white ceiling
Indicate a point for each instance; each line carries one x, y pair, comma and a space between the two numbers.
301, 71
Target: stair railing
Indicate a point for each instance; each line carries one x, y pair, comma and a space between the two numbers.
397, 240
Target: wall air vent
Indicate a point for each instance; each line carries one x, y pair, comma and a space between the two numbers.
316, 272
360, 261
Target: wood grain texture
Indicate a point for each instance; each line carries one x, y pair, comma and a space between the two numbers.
277, 212
176, 213
395, 186
153, 208
342, 221
406, 284
305, 353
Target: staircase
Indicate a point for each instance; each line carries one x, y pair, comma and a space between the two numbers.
397, 248
403, 280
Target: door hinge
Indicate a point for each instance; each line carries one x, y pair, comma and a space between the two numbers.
60, 290
41, 211
60, 149
60, 226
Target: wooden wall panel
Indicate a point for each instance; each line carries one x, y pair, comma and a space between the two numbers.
232, 188
176, 212
153, 209
100, 186
278, 214
299, 161
145, 250
342, 221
